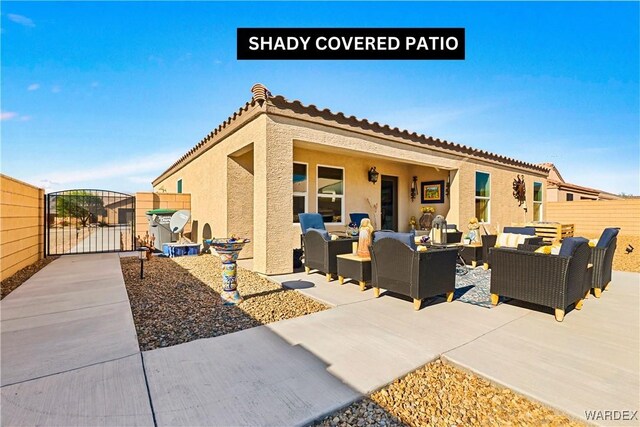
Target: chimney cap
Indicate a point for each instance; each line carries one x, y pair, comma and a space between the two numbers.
260, 92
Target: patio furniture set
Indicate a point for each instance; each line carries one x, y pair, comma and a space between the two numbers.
523, 266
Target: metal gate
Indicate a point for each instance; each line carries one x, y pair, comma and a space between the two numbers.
89, 221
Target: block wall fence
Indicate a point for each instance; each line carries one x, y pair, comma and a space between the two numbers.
591, 217
21, 225
148, 201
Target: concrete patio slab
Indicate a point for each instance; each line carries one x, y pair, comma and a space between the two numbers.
107, 394
248, 378
589, 362
315, 286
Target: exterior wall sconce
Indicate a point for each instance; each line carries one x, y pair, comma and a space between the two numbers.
373, 175
414, 188
447, 186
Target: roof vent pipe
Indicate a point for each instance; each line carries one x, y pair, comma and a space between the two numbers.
260, 93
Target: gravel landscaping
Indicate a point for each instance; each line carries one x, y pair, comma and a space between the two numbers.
178, 300
439, 394
12, 282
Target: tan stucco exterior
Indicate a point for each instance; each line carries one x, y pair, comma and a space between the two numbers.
240, 176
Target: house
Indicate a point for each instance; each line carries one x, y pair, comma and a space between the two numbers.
275, 158
558, 190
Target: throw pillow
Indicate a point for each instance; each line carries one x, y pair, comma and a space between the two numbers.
544, 250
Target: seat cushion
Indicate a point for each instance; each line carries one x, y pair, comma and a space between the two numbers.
570, 244
311, 220
607, 236
406, 238
529, 231
358, 217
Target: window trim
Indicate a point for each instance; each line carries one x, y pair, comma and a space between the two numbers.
179, 186
299, 193
476, 197
538, 202
341, 196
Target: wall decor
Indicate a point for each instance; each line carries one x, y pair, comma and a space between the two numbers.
432, 191
519, 190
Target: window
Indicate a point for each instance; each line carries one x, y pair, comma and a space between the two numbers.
300, 188
483, 196
569, 197
537, 201
179, 190
331, 193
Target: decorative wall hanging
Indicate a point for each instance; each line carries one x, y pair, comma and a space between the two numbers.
519, 190
432, 192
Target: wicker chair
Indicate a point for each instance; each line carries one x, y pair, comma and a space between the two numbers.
398, 268
555, 281
489, 241
602, 260
320, 251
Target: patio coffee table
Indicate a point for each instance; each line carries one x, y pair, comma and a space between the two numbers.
356, 267
472, 254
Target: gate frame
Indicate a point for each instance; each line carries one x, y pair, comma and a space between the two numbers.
47, 239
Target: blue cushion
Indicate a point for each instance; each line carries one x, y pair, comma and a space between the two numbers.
311, 220
406, 238
324, 233
358, 217
570, 244
607, 236
529, 231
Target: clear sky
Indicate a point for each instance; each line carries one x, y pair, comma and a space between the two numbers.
108, 95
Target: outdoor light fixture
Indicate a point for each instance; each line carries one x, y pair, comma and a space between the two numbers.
373, 175
447, 187
142, 254
414, 188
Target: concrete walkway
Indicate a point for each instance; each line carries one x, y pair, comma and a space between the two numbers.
69, 355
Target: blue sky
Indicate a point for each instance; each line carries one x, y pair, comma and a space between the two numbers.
108, 95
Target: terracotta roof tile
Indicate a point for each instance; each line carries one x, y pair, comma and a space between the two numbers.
260, 93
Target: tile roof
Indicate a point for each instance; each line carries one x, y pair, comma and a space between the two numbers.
258, 105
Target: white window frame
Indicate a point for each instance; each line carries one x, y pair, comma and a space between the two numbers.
475, 197
181, 186
299, 193
540, 202
341, 196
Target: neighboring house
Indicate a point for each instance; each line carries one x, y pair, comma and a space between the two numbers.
275, 158
558, 190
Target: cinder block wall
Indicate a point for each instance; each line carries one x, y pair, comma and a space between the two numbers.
591, 217
148, 201
21, 225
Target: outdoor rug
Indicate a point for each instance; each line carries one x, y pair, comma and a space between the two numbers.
474, 287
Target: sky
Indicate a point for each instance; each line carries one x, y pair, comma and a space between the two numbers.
108, 95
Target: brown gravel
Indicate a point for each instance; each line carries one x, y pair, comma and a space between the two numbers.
439, 394
178, 300
11, 283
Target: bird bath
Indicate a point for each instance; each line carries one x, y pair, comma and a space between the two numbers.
229, 249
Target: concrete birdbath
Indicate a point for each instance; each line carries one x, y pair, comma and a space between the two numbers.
229, 249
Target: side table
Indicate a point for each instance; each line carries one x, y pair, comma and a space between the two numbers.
472, 254
355, 267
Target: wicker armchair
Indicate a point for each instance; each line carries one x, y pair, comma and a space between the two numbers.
555, 281
398, 268
489, 241
602, 260
320, 251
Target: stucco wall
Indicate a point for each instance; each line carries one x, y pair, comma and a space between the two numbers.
504, 210
358, 190
21, 222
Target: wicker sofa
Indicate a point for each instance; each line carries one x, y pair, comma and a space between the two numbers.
398, 267
602, 260
555, 281
489, 241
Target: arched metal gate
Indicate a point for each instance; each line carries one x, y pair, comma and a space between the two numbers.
89, 221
